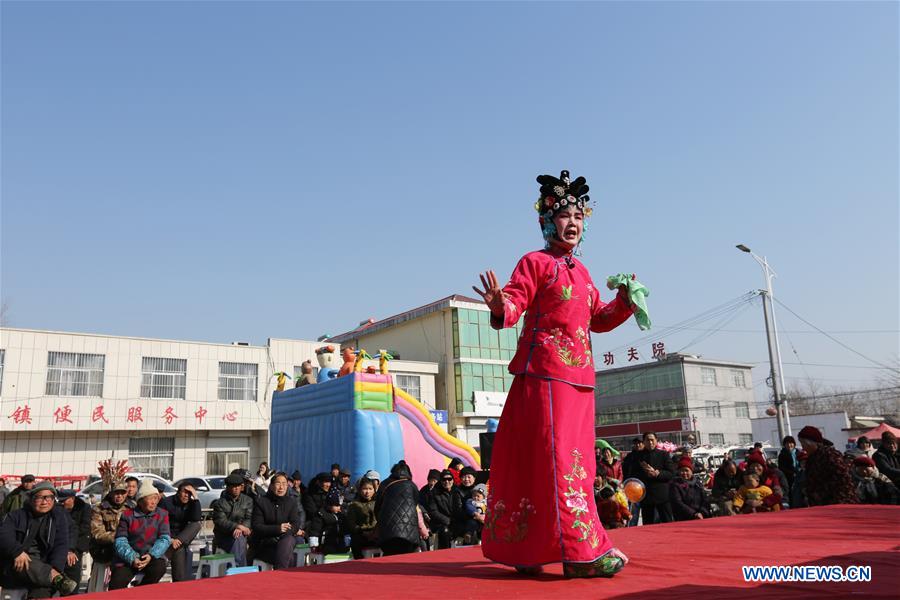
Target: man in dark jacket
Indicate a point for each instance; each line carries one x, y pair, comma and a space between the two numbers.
184, 521
16, 498
887, 459
329, 526
686, 495
231, 519
314, 499
344, 488
396, 508
79, 513
655, 470
630, 468
34, 544
297, 492
445, 504
275, 525
434, 476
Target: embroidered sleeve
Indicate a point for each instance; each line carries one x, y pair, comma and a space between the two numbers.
519, 293
606, 317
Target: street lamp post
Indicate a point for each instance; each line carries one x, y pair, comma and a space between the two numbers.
783, 417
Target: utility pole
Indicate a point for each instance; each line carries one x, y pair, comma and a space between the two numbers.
775, 369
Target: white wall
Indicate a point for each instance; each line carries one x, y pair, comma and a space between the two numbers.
832, 426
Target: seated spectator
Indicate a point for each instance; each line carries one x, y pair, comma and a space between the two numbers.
434, 476
335, 473
726, 483
475, 507
131, 498
361, 521
611, 512
769, 477
4, 491
871, 486
104, 523
345, 488
455, 467
751, 497
34, 543
828, 479
79, 513
142, 538
231, 514
328, 527
400, 526
445, 504
261, 480
466, 481
686, 494
863, 448
886, 458
609, 464
184, 522
314, 499
275, 525
296, 490
16, 498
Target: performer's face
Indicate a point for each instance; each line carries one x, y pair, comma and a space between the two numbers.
569, 226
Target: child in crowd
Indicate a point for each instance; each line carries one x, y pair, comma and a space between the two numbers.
329, 526
475, 507
751, 496
611, 512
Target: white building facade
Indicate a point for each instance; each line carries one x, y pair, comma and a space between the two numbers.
175, 408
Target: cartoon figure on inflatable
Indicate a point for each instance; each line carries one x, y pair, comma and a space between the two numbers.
326, 358
548, 419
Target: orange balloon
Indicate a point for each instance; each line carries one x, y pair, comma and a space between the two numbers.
634, 490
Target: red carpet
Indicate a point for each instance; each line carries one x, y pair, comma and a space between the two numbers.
694, 560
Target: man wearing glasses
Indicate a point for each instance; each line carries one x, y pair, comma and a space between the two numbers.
34, 545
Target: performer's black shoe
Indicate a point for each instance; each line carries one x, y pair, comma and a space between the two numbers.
530, 571
606, 566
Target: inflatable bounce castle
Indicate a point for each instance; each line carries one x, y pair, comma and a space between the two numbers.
361, 421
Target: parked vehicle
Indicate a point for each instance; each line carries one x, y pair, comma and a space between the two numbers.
209, 488
93, 493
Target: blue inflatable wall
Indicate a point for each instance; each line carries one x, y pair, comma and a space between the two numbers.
317, 425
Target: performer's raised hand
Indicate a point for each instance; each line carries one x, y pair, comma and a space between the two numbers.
492, 294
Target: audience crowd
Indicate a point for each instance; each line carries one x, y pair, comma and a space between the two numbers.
45, 533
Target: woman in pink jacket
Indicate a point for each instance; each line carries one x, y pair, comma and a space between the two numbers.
548, 421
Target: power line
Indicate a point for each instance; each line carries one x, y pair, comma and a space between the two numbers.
832, 338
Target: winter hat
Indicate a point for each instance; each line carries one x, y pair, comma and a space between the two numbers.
234, 479
27, 478
446, 473
43, 487
333, 498
756, 457
434, 474
146, 489
812, 434
480, 488
863, 461
335, 466
296, 476
373, 475
468, 471
686, 463
401, 471
65, 493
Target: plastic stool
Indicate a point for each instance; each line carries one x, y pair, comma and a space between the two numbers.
136, 580
300, 553
372, 552
241, 570
315, 558
217, 563
263, 565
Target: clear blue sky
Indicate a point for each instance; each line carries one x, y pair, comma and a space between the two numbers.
235, 171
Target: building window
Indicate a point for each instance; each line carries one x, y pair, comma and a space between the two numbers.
473, 336
237, 381
226, 461
163, 378
73, 374
737, 378
745, 439
708, 375
152, 455
717, 439
713, 409
411, 384
742, 409
478, 377
2, 362
298, 372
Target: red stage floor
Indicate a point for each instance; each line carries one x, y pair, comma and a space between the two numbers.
698, 560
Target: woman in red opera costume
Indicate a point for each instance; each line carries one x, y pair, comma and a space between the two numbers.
541, 505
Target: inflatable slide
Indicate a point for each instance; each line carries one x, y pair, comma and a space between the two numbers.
362, 422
